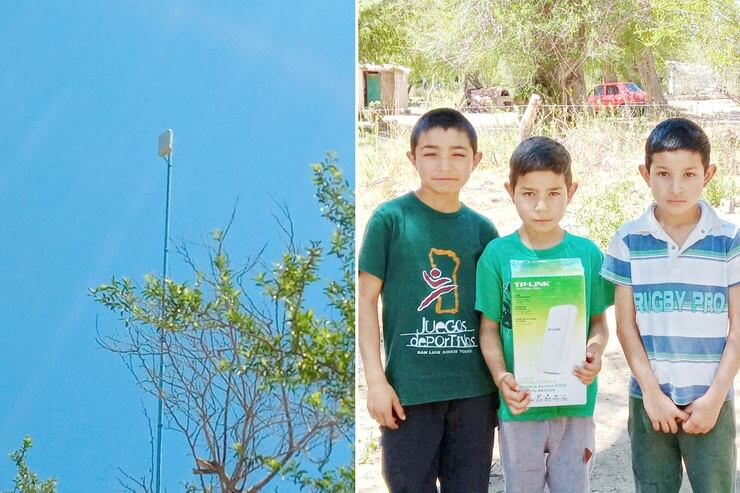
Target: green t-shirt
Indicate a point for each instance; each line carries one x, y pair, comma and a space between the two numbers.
427, 261
493, 299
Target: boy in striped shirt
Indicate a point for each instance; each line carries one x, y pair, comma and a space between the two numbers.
677, 271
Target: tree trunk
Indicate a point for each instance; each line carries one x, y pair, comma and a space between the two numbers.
571, 78
574, 86
472, 81
548, 85
650, 81
608, 74
576, 79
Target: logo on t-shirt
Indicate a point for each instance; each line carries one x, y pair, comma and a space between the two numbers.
442, 280
441, 335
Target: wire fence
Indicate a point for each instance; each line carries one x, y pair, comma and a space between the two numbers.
554, 119
605, 145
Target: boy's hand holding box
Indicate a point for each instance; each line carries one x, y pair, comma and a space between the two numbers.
549, 329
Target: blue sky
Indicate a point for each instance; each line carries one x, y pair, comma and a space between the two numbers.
254, 93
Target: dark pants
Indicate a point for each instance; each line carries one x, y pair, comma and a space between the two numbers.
656, 456
449, 440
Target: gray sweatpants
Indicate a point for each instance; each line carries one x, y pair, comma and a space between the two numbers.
554, 451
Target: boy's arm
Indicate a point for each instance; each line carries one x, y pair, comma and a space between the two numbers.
594, 350
493, 353
705, 410
661, 410
382, 400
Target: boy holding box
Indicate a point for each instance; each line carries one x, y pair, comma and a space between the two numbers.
549, 445
677, 270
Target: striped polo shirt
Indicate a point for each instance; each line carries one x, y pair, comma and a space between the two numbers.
681, 297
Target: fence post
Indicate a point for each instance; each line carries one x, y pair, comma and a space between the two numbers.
525, 126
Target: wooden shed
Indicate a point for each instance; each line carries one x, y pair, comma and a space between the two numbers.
387, 84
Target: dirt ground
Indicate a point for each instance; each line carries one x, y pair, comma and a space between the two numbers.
612, 466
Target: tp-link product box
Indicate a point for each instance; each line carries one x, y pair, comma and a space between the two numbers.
548, 318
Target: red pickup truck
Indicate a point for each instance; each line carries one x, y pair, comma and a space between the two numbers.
612, 95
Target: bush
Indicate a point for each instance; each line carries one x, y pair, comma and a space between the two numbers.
604, 212
722, 187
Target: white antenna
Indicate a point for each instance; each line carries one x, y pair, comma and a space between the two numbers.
561, 321
165, 143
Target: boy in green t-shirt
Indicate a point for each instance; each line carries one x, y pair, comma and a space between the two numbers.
435, 401
553, 444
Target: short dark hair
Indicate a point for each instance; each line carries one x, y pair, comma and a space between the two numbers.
539, 154
444, 118
676, 134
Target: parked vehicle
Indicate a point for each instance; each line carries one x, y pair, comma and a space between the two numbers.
613, 95
485, 99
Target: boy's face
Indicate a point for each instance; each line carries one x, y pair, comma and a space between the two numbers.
444, 160
540, 198
676, 179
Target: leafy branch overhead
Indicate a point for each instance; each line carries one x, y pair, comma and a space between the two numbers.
257, 380
27, 481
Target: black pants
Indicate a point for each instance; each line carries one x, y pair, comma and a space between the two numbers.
449, 440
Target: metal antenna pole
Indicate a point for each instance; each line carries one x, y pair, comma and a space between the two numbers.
165, 150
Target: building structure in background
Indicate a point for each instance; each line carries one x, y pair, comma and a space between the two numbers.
385, 86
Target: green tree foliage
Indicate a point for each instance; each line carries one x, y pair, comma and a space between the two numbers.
718, 39
550, 47
27, 481
258, 382
383, 32
655, 31
387, 31
604, 210
534, 45
546, 44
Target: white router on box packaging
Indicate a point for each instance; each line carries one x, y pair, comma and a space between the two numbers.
561, 321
